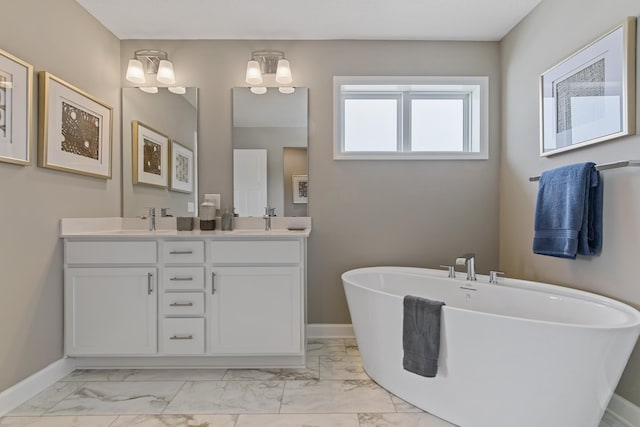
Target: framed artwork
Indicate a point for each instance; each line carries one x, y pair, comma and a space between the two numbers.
74, 129
181, 168
590, 96
150, 155
300, 192
16, 92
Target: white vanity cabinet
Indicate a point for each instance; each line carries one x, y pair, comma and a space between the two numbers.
194, 299
110, 298
256, 298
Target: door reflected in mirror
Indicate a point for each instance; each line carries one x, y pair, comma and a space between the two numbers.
159, 151
269, 149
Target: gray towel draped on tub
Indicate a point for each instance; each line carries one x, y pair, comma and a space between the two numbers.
421, 335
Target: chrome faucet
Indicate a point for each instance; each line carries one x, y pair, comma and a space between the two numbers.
152, 219
468, 259
268, 213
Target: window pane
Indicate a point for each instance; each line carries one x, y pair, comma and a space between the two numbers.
370, 125
437, 125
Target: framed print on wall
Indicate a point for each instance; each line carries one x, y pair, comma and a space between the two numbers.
16, 90
590, 96
74, 129
150, 155
181, 168
300, 191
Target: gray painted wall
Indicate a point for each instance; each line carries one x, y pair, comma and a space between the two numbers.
553, 31
86, 55
415, 213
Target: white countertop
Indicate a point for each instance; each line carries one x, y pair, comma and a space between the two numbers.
166, 228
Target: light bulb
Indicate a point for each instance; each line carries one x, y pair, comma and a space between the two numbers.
259, 90
283, 73
253, 76
178, 90
135, 72
165, 72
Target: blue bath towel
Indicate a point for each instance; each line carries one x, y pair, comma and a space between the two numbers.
568, 219
421, 335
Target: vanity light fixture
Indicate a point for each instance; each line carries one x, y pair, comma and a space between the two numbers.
149, 89
150, 61
264, 64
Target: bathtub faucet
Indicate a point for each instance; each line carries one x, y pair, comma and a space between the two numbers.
468, 259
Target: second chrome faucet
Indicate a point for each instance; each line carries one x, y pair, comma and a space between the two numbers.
268, 214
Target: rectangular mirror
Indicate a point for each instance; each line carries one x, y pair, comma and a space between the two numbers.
159, 151
270, 165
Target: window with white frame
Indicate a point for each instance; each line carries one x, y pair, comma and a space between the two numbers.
411, 118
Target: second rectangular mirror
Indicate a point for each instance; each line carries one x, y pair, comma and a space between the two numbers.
270, 152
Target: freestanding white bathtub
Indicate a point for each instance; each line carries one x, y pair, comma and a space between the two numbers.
515, 354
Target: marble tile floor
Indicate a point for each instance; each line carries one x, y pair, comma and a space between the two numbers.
331, 391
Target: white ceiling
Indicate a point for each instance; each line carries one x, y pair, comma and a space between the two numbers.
310, 20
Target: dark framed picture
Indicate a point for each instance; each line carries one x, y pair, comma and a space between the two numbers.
16, 89
590, 96
74, 129
150, 155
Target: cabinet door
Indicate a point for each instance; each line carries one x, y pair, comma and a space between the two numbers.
110, 311
255, 310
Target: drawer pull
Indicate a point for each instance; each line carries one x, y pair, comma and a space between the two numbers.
181, 279
180, 252
149, 283
181, 337
213, 283
181, 304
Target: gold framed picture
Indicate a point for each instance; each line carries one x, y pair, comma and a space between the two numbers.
16, 93
74, 129
150, 156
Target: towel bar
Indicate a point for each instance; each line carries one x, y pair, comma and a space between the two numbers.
602, 167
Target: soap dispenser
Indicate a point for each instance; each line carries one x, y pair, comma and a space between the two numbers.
227, 220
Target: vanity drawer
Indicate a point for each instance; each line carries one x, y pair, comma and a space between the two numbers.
183, 336
183, 303
183, 278
178, 252
255, 252
118, 252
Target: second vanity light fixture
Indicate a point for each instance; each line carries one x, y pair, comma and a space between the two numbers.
151, 61
268, 62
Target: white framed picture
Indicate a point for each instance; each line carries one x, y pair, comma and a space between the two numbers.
181, 168
590, 96
300, 188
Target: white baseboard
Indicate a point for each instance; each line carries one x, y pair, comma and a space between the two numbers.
622, 413
15, 395
329, 330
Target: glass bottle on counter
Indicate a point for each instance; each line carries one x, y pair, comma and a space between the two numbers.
227, 220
